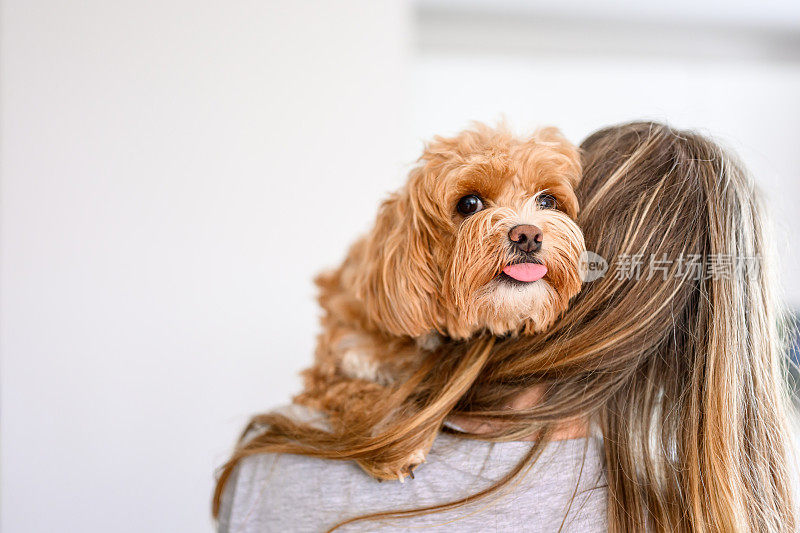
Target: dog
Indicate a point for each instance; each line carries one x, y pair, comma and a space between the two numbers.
482, 238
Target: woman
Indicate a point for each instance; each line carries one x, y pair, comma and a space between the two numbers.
657, 402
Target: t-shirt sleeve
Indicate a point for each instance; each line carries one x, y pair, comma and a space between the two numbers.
226, 505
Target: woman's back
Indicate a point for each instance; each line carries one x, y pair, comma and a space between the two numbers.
283, 492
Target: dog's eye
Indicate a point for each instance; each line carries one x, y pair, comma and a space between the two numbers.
469, 205
546, 201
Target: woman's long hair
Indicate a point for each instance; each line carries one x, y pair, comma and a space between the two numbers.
674, 355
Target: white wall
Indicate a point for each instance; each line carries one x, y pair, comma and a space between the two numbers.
173, 173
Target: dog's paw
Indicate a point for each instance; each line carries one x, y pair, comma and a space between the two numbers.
398, 470
414, 460
430, 341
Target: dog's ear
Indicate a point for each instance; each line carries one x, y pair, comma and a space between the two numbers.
397, 279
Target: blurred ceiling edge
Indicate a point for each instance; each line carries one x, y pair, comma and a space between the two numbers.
749, 31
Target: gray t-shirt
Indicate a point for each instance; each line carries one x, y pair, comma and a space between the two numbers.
564, 490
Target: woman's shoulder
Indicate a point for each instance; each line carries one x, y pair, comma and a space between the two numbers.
274, 492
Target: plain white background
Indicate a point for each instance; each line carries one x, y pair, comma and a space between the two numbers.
175, 172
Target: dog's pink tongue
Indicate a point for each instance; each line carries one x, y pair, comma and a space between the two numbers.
525, 271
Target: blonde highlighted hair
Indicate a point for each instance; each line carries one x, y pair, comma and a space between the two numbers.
682, 374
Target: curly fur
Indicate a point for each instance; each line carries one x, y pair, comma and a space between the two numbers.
426, 274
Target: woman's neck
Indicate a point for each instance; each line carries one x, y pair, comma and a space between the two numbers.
568, 429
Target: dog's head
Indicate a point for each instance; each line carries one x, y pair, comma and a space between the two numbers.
481, 237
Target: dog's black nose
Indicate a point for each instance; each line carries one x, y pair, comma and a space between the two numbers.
526, 237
